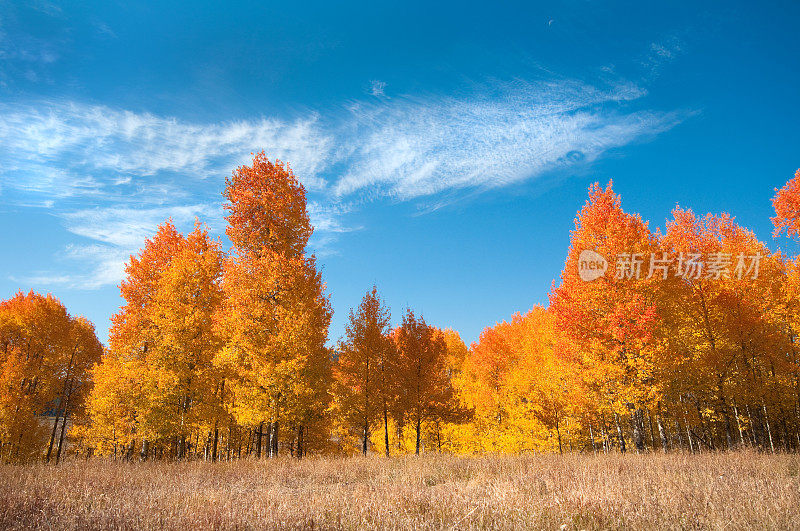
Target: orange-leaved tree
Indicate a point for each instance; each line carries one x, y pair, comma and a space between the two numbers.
425, 389
365, 370
610, 321
275, 315
45, 357
787, 208
719, 319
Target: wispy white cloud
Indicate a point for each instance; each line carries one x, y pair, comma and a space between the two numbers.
413, 147
114, 234
98, 265
111, 235
113, 175
128, 227
377, 87
661, 53
326, 216
90, 138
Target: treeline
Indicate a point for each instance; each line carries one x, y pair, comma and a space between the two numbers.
687, 341
222, 355
655, 340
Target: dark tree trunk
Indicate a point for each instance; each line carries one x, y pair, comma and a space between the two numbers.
419, 426
679, 433
386, 429
619, 433
130, 449
63, 402
365, 438
754, 431
636, 421
214, 444
145, 450
53, 436
61, 438
558, 432
300, 442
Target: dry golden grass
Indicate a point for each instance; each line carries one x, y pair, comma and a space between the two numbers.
716, 491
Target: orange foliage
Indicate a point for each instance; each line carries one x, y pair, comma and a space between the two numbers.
787, 208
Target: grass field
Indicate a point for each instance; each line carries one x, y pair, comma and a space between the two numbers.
742, 490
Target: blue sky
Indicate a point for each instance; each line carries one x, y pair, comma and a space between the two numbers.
446, 148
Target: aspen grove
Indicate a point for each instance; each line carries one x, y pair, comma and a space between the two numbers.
224, 354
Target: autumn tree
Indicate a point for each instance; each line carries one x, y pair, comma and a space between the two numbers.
521, 390
74, 370
365, 369
543, 382
720, 321
787, 208
111, 407
275, 314
45, 357
490, 360
610, 321
447, 432
426, 393
185, 342
159, 375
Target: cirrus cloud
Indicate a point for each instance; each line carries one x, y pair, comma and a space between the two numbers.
112, 175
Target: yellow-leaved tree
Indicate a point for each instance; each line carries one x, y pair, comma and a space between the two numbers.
158, 382
275, 314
